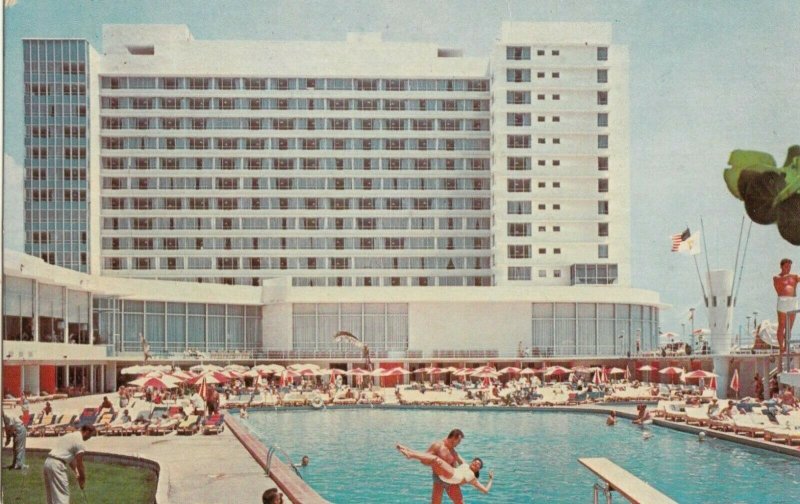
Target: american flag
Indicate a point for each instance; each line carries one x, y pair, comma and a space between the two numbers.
679, 238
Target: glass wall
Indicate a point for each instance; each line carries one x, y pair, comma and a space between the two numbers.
176, 327
382, 326
17, 309
570, 329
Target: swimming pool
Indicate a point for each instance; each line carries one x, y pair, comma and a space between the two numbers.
534, 456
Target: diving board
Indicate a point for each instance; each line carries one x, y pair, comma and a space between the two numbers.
620, 480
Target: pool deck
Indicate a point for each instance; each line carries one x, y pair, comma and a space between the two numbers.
206, 469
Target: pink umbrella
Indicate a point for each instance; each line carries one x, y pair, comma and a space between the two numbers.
699, 373
616, 370
597, 379
557, 370
357, 371
164, 382
211, 377
528, 371
510, 370
396, 371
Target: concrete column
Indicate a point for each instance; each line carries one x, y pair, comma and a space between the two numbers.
35, 325
722, 370
65, 308
66, 375
91, 379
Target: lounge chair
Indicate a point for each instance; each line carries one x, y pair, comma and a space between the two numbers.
140, 422
294, 399
87, 417
697, 415
161, 426
751, 424
117, 427
37, 428
61, 425
189, 426
675, 411
214, 424
103, 420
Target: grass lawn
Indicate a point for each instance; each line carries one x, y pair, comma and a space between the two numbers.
105, 483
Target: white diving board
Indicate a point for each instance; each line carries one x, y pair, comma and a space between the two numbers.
628, 485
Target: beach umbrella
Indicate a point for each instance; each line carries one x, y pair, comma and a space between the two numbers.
485, 373
735, 382
713, 384
182, 375
616, 370
646, 367
396, 371
252, 374
210, 377
269, 368
698, 374
163, 382
464, 371
597, 379
203, 368
528, 371
300, 367
557, 370
357, 371
236, 367
510, 370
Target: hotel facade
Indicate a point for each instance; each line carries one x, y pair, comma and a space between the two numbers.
248, 199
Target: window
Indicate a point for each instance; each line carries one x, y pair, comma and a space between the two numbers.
602, 54
541, 184
519, 141
541, 206
602, 185
556, 119
540, 97
556, 185
555, 52
556, 229
555, 75
556, 206
519, 163
540, 118
542, 251
519, 207
541, 162
518, 75
602, 76
519, 185
556, 96
518, 97
556, 140
602, 207
602, 141
557, 251
602, 164
556, 273
540, 75
519, 251
556, 162
519, 273
541, 140
518, 119
602, 251
602, 97
602, 229
518, 53
519, 229
540, 52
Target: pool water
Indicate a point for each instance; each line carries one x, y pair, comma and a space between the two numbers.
534, 456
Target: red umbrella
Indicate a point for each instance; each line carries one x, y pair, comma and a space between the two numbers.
528, 371
211, 377
510, 370
698, 373
164, 382
735, 381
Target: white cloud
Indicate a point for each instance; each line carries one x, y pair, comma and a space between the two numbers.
13, 204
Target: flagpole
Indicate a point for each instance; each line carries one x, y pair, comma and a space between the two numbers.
738, 249
744, 255
708, 267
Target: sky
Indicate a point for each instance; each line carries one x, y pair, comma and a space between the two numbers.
705, 78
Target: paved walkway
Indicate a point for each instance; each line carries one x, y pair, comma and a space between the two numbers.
194, 469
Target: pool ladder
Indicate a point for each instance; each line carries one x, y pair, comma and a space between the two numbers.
605, 489
271, 453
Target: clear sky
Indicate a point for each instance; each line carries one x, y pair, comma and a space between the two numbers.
705, 78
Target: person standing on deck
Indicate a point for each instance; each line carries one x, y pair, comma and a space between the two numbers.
785, 284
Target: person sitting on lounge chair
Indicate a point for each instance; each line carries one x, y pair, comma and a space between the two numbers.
465, 473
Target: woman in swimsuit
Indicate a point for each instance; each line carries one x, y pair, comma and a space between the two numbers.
465, 473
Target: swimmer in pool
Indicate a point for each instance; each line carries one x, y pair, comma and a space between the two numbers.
465, 473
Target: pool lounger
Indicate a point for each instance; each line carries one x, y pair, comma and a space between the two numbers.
214, 424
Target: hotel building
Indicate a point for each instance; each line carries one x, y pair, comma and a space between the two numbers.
255, 197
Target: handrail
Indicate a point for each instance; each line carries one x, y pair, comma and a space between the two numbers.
271, 453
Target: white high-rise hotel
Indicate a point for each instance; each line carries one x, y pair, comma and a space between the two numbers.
473, 196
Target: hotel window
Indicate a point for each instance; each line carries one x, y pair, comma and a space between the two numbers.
602, 164
556, 96
542, 274
518, 53
602, 119
602, 251
541, 140
513, 119
556, 273
556, 229
518, 97
540, 75
556, 119
541, 162
519, 251
541, 206
602, 141
556, 140
556, 206
519, 273
602, 97
602, 54
519, 229
519, 141
556, 162
540, 97
540, 52
602, 207
542, 251
556, 75
602, 76
541, 184
518, 75
602, 229
556, 185
519, 185
557, 251
519, 207
602, 185
540, 118
519, 163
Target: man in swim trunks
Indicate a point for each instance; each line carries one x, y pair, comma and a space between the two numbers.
454, 476
785, 285
446, 450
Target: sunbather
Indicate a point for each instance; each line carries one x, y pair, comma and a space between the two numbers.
465, 473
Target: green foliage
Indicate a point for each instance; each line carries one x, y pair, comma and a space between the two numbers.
770, 193
106, 483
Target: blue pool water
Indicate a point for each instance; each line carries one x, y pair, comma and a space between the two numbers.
534, 456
